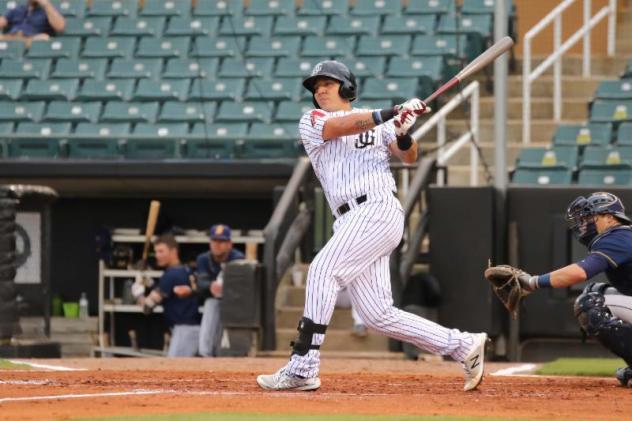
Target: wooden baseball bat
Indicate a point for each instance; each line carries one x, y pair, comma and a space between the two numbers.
152, 218
486, 57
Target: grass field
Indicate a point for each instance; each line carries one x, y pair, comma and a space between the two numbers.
286, 417
599, 367
8, 365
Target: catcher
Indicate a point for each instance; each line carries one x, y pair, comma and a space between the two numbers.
603, 310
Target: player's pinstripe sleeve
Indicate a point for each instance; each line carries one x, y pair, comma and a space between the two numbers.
388, 132
311, 128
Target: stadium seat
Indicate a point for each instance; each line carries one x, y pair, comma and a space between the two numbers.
190, 112
323, 7
355, 25
122, 68
113, 8
332, 46
376, 104
430, 7
55, 48
246, 26
484, 7
103, 129
6, 128
73, 111
218, 47
624, 134
137, 27
559, 156
396, 89
191, 68
275, 130
445, 46
151, 148
44, 129
367, 66
596, 157
627, 73
620, 176
543, 177
163, 47
295, 67
217, 8
11, 111
220, 129
376, 7
86, 68
71, 8
166, 8
162, 90
291, 111
10, 89
269, 148
161, 129
428, 70
132, 112
210, 148
244, 112
611, 111
84, 27
107, 90
271, 8
247, 68
192, 26
274, 90
51, 89
34, 148
25, 69
413, 25
109, 47
274, 47
217, 90
384, 45
300, 25
615, 89
90, 148
589, 134
469, 24
11, 50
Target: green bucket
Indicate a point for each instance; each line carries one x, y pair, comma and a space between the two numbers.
71, 310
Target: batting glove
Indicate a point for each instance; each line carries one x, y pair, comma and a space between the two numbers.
138, 290
403, 122
414, 105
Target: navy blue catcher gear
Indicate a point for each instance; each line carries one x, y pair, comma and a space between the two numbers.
337, 71
581, 210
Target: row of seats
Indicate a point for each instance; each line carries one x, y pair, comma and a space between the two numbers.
572, 157
592, 134
611, 111
621, 176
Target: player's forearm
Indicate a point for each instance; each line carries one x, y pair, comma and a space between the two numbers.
55, 19
408, 156
567, 276
348, 125
3, 22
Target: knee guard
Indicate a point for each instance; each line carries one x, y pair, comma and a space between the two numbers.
306, 330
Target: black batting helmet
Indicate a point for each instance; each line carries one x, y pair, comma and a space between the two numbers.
334, 70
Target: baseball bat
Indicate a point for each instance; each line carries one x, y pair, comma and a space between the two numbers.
152, 218
486, 57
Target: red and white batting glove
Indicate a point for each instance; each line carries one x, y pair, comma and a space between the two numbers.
414, 105
403, 122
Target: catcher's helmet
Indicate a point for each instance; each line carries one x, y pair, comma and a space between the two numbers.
334, 70
599, 203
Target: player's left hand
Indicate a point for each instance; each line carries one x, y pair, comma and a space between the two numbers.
403, 122
182, 291
415, 106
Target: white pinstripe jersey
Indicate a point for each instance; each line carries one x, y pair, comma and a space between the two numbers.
348, 166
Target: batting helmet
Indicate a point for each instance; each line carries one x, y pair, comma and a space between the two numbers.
599, 203
334, 70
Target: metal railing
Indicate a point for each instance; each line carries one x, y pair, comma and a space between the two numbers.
559, 49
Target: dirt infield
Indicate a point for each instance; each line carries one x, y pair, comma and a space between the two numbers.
104, 387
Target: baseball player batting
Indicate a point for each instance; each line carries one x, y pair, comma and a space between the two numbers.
349, 149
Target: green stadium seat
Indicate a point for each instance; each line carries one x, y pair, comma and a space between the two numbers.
274, 47
292, 111
6, 129
162, 90
110, 47
66, 47
210, 148
217, 90
627, 73
445, 46
559, 156
275, 90
543, 177
25, 69
624, 134
428, 70
86, 68
376, 104
113, 8
191, 68
220, 130
384, 45
477, 27
84, 27
430, 7
10, 89
295, 67
323, 7
396, 89
190, 112
65, 111
580, 134
44, 129
148, 68
300, 25
275, 130
162, 129
107, 90
244, 112
90, 148
163, 47
615, 89
376, 7
271, 8
246, 26
269, 148
367, 66
596, 157
151, 149
34, 148
412, 25
137, 27
11, 111
484, 7
103, 129
132, 112
70, 8
218, 47
331, 46
192, 26
217, 8
166, 8
13, 50
354, 25
49, 90
611, 111
616, 176
246, 68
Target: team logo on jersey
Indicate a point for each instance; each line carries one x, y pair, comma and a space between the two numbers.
314, 115
365, 139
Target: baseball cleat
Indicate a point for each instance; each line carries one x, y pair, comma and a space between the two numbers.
624, 375
474, 362
284, 381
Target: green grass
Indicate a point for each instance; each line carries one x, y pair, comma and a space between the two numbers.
599, 367
288, 417
8, 365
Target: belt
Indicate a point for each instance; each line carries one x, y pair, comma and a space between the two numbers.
344, 208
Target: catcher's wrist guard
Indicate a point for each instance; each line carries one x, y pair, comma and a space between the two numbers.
544, 281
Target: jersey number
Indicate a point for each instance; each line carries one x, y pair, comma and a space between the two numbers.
365, 139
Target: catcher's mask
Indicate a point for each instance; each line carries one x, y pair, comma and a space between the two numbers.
581, 212
333, 70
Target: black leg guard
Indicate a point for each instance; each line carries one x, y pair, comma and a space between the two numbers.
596, 320
306, 330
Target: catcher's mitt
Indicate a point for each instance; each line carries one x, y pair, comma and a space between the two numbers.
506, 284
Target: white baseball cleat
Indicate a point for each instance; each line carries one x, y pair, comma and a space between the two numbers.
475, 362
284, 381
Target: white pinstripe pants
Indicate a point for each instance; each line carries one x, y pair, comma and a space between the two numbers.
357, 257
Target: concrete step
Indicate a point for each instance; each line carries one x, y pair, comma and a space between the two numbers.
288, 317
572, 65
541, 108
462, 157
572, 86
295, 296
338, 340
542, 130
76, 336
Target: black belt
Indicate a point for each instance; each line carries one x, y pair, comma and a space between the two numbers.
344, 208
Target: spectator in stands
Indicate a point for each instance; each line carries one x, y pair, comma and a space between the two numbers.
32, 21
177, 297
210, 286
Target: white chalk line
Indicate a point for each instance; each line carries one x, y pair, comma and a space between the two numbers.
25, 382
512, 371
46, 366
83, 395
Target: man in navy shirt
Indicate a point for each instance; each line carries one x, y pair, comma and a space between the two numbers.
35, 20
210, 285
603, 310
